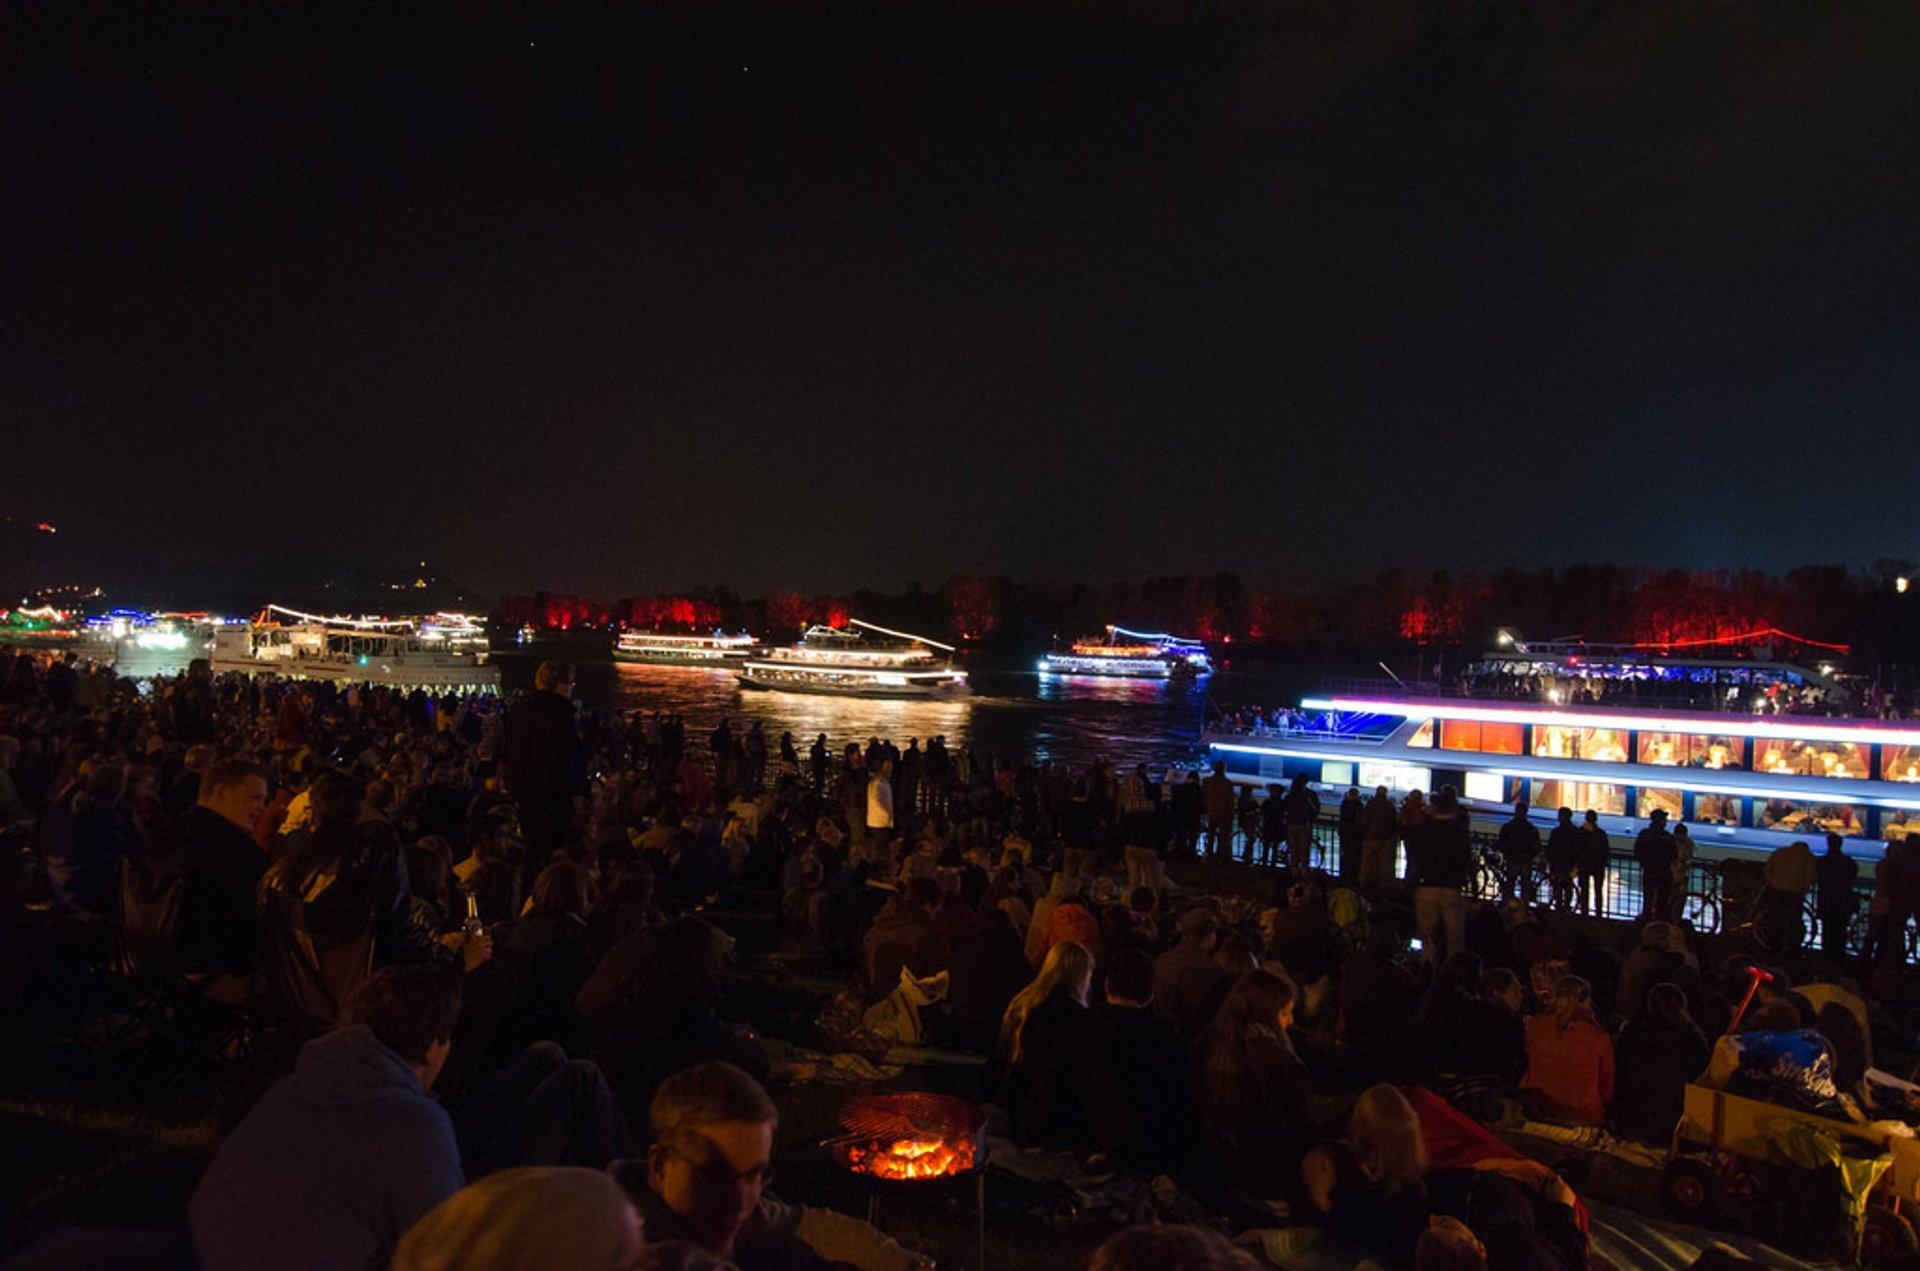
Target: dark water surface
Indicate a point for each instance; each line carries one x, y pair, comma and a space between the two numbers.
1009, 714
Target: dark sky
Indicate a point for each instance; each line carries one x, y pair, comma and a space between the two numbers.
820, 295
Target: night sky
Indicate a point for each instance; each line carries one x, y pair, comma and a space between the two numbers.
816, 296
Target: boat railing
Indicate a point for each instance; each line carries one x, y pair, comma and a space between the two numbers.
1611, 695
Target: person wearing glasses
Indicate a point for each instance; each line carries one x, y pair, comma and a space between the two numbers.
702, 1187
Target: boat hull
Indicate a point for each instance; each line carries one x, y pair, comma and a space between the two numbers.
399, 674
711, 661
854, 688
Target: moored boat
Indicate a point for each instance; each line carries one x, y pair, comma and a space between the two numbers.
286, 642
1729, 745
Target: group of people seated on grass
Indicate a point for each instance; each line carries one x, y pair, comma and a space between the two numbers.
480, 940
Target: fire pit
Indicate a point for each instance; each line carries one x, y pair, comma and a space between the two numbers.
911, 1141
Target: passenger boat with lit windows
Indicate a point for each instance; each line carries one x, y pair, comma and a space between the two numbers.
871, 661
1622, 731
286, 642
1131, 654
716, 650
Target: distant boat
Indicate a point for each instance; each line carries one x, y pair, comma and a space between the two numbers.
682, 650
870, 662
1133, 655
305, 646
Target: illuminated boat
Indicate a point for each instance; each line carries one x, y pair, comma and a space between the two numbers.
869, 662
682, 650
304, 646
1721, 759
124, 632
1133, 654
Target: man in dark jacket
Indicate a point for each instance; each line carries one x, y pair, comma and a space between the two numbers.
1836, 873
546, 770
1188, 977
1144, 1106
211, 853
1440, 867
1563, 858
1519, 846
1656, 852
337, 1160
1379, 835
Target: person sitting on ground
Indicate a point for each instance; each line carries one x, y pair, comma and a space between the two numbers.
1492, 1041
519, 1219
653, 1007
1144, 1106
701, 1189
211, 847
337, 1160
903, 937
1657, 1054
1047, 1050
1187, 975
1375, 1189
1253, 1087
1569, 1075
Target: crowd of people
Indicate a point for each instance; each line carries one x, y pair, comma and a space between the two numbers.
485, 932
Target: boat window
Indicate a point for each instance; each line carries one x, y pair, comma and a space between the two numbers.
1602, 745
1693, 750
1581, 796
1811, 758
1651, 799
1423, 735
1900, 763
1397, 777
1716, 809
1812, 818
1899, 824
1488, 739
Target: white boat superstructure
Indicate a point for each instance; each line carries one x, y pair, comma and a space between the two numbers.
682, 650
869, 662
297, 645
1132, 654
1746, 779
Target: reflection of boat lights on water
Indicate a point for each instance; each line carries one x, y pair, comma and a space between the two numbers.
857, 664
1140, 654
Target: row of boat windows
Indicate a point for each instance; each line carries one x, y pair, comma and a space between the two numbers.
1675, 750
1810, 817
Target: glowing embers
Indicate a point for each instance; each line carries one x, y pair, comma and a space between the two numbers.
910, 1137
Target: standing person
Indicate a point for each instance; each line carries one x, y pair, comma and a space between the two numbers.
1596, 855
1352, 812
1379, 836
1563, 858
1440, 867
546, 767
1790, 876
1836, 872
1682, 863
1218, 800
1655, 851
1519, 845
1303, 808
1135, 804
880, 809
817, 765
1187, 813
853, 802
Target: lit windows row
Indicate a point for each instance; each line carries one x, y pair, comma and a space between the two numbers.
1673, 750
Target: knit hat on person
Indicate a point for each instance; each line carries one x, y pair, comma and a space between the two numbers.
549, 1216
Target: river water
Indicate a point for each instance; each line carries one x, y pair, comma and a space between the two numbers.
1006, 714
1076, 719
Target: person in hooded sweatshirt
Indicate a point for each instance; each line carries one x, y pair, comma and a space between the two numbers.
340, 1158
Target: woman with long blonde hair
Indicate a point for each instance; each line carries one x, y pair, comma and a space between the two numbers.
1045, 1043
